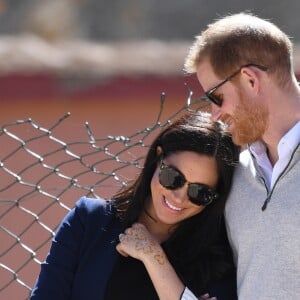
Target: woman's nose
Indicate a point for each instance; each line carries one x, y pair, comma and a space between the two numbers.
180, 195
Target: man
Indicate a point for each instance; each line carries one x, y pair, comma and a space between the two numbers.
244, 64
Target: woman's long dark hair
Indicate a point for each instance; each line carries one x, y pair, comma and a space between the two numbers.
198, 249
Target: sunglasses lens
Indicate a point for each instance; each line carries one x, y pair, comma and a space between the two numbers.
215, 99
200, 194
171, 178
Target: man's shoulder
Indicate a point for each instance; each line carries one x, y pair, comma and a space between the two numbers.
246, 165
245, 156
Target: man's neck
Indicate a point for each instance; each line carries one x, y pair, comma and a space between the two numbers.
284, 114
273, 139
272, 153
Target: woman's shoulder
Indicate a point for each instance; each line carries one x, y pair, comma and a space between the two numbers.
89, 209
94, 205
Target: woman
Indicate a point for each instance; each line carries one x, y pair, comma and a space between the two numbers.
168, 226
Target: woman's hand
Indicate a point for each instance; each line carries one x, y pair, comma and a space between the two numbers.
207, 297
138, 243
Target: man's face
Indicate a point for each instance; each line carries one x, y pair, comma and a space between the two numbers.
245, 116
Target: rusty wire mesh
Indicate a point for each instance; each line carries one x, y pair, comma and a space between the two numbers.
41, 177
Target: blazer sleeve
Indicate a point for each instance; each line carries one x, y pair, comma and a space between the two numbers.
57, 272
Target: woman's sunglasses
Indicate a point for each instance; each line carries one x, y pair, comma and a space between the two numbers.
172, 179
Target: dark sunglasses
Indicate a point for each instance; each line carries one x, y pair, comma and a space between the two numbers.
217, 100
172, 179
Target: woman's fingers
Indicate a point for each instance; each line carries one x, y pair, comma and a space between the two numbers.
207, 297
121, 251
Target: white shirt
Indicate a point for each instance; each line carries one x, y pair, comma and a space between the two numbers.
285, 148
188, 295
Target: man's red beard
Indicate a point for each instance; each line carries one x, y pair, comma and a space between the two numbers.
249, 122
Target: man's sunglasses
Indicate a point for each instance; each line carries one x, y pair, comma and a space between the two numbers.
217, 100
172, 179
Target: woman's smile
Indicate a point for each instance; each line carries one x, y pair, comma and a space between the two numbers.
171, 206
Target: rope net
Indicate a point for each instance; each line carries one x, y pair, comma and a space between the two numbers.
43, 175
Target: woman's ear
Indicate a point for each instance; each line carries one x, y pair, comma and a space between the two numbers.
159, 150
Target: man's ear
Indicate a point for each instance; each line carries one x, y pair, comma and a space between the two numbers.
250, 79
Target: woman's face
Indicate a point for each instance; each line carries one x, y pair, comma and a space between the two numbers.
173, 206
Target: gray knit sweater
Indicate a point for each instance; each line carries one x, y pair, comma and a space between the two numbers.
266, 243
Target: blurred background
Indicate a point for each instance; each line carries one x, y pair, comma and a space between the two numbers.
83, 55
107, 63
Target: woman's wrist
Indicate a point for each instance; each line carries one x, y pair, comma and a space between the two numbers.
165, 280
154, 254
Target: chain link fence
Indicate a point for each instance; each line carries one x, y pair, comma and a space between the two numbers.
43, 174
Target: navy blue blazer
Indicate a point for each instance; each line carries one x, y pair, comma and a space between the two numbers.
83, 254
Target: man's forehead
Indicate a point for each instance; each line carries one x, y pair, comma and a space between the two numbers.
206, 75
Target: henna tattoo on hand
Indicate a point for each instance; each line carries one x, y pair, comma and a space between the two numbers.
160, 258
148, 247
142, 240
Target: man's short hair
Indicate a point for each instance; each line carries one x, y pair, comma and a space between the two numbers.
240, 39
